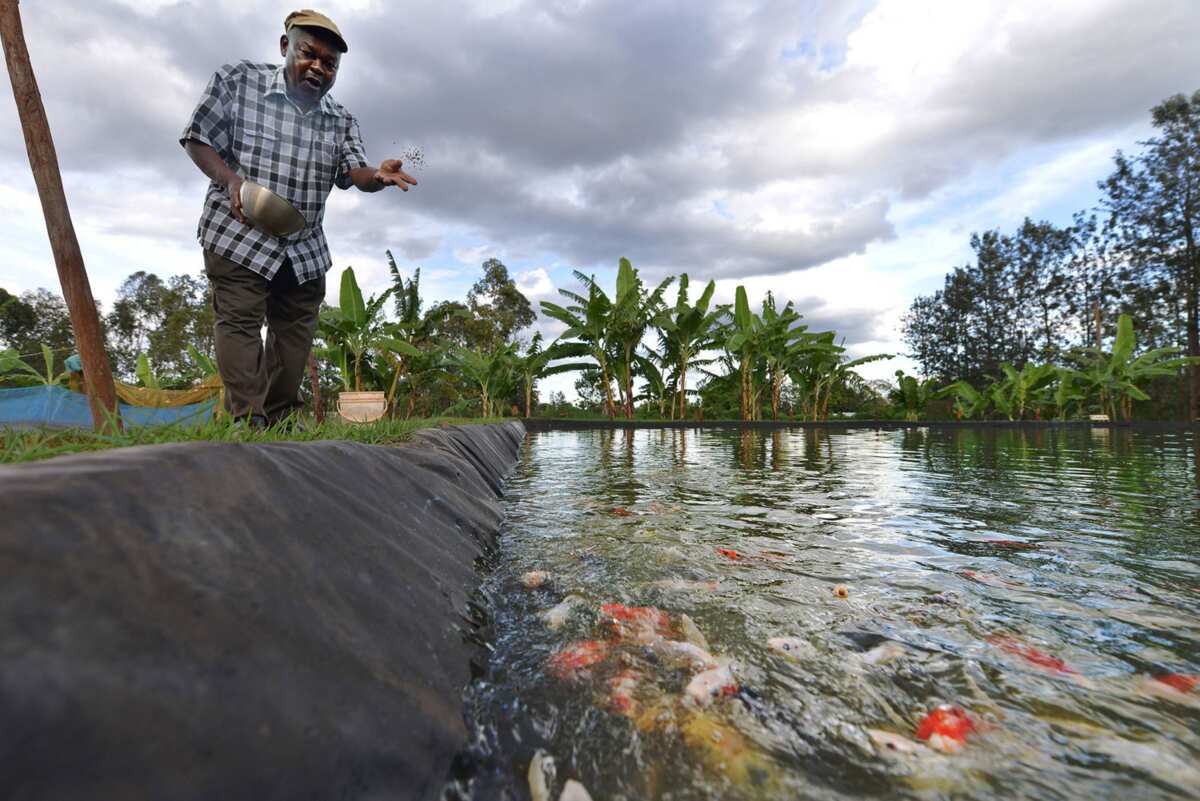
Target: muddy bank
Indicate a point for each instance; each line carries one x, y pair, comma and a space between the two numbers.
272, 621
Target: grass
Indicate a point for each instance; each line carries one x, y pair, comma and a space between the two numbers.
41, 443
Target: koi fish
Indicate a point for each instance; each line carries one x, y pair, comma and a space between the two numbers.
534, 579
715, 681
621, 689
888, 743
1178, 681
791, 647
556, 617
946, 729
989, 579
574, 791
1014, 544
691, 632
541, 775
621, 511
691, 656
883, 653
577, 658
729, 553
1011, 645
640, 623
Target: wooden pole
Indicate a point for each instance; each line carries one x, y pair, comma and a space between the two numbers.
97, 373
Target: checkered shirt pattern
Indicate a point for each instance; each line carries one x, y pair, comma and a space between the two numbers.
247, 117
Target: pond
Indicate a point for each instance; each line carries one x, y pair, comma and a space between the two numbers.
723, 614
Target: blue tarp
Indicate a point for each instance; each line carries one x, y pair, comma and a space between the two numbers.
59, 407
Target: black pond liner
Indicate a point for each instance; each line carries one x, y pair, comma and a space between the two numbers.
258, 621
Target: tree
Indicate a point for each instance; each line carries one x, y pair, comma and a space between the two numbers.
34, 319
1153, 202
684, 332
633, 311
160, 319
535, 364
588, 321
744, 343
498, 308
1116, 377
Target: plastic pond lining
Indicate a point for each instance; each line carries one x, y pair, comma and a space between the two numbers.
258, 621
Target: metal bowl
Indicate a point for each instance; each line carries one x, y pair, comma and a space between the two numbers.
269, 212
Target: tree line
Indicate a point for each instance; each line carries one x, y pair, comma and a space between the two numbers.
1043, 294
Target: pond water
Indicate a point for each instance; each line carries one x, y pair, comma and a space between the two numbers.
846, 583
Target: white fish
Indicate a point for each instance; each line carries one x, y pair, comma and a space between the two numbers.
792, 647
693, 656
534, 579
691, 632
704, 686
882, 653
574, 791
557, 616
888, 743
541, 775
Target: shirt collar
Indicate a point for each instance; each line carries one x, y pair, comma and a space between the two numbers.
279, 87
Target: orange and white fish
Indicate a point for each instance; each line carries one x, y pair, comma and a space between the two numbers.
713, 682
577, 659
946, 729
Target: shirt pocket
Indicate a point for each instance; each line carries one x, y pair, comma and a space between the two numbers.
327, 155
258, 149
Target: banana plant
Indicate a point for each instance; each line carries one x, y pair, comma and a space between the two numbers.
491, 371
684, 332
355, 328
204, 362
744, 343
1067, 391
969, 403
145, 374
913, 395
779, 334
588, 321
1114, 377
634, 310
11, 362
1013, 394
535, 364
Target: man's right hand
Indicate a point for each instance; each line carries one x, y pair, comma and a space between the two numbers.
235, 198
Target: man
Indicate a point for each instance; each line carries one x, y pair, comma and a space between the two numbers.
278, 127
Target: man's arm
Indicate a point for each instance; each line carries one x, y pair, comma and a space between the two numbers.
212, 165
371, 179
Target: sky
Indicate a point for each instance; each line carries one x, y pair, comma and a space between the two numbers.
838, 154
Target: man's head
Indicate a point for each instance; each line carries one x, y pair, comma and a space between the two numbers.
312, 47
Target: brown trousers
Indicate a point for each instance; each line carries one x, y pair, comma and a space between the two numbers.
262, 380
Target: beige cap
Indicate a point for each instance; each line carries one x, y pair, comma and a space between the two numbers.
307, 18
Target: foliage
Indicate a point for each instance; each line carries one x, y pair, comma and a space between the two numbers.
25, 374
588, 321
1115, 377
1043, 292
684, 332
356, 328
913, 395
156, 321
491, 371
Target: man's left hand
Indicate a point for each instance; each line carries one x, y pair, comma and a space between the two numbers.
390, 174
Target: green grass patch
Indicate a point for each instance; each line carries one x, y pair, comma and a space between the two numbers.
32, 444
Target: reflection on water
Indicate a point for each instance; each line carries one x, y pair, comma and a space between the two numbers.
1038, 579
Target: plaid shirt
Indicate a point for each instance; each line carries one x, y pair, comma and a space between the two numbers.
247, 117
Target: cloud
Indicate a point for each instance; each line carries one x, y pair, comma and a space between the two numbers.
775, 143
